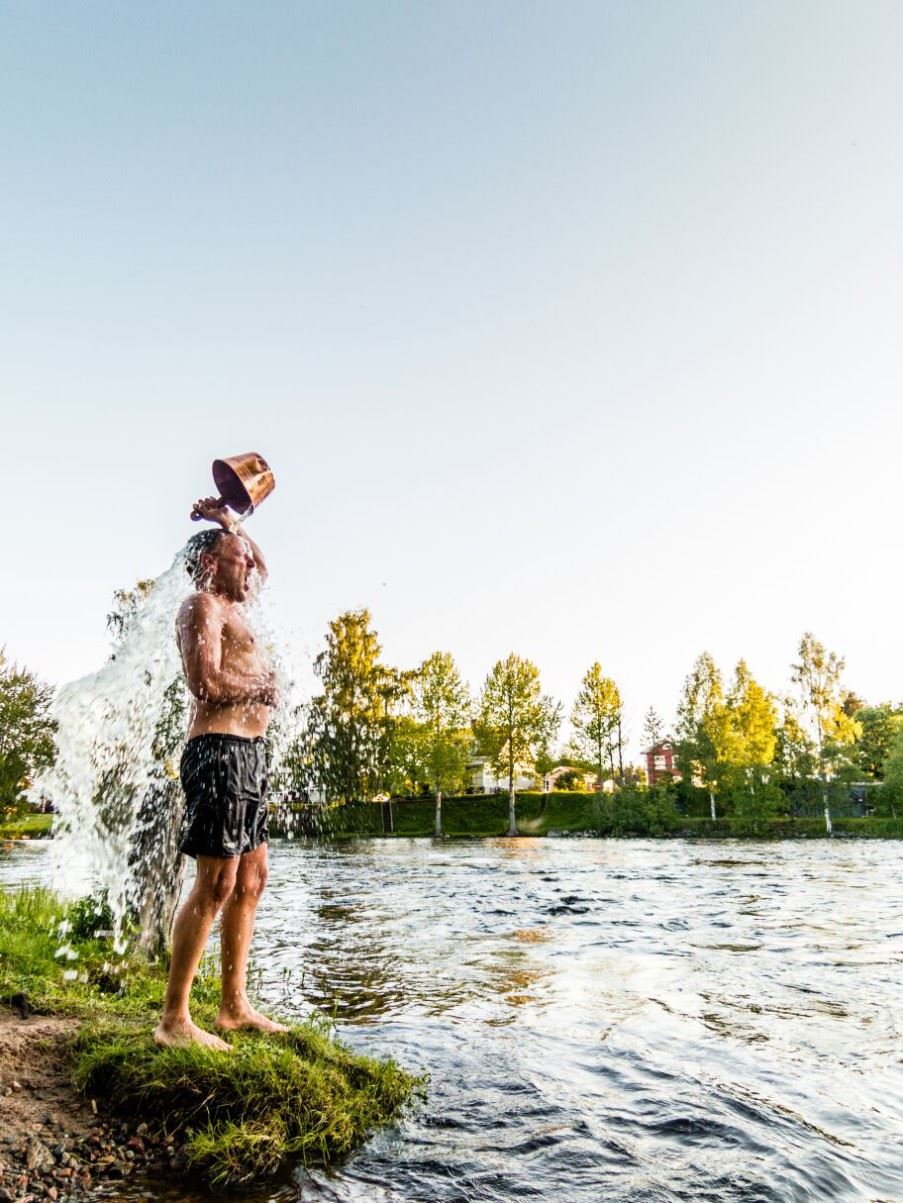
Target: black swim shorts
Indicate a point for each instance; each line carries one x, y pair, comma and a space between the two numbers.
225, 782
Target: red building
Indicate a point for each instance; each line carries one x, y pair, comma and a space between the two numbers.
660, 765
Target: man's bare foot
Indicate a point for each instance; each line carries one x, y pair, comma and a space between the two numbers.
181, 1035
248, 1018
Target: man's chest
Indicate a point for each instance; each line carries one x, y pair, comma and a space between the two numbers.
238, 637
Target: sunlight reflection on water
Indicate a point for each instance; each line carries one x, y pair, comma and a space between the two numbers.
633, 1020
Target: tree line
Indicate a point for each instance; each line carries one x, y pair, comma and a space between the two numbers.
375, 730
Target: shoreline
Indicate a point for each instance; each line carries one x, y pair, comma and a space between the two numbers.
415, 820
86, 1094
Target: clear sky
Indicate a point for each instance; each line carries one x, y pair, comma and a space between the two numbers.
572, 329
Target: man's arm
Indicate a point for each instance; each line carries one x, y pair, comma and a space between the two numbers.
201, 643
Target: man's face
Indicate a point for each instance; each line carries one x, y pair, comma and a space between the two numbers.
230, 568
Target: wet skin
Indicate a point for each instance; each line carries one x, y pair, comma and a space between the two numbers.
228, 674
234, 689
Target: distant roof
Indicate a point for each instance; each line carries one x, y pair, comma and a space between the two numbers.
665, 742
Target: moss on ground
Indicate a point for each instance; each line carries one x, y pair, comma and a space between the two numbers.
302, 1095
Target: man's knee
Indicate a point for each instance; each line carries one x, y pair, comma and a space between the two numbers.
251, 885
252, 878
223, 889
215, 888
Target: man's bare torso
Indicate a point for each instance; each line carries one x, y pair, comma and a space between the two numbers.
234, 658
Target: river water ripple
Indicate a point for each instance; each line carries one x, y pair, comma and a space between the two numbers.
645, 1021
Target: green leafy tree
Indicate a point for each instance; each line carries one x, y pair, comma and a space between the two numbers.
399, 758
405, 768
346, 723
890, 796
752, 720
702, 727
795, 763
26, 731
749, 748
879, 727
833, 732
595, 720
442, 707
516, 721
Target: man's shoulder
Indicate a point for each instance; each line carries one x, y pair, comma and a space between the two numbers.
200, 607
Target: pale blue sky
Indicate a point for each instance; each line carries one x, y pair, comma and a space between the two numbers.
570, 329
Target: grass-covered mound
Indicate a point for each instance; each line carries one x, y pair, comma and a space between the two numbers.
238, 1115
301, 1095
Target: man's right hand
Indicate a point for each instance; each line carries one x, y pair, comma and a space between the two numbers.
214, 509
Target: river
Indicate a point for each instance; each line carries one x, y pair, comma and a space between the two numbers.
650, 1021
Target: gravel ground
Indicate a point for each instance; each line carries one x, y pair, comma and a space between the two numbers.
53, 1144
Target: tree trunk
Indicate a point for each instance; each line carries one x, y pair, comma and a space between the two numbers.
620, 756
157, 866
438, 831
512, 816
829, 826
712, 804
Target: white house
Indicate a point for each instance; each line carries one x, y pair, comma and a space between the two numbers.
589, 781
484, 781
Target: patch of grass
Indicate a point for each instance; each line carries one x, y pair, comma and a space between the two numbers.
302, 1095
240, 1114
871, 828
25, 826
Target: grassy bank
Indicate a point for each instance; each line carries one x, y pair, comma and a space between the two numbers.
237, 1116
629, 815
26, 826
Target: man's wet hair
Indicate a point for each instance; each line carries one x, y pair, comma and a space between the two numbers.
204, 541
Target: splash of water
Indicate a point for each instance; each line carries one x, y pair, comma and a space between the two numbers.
120, 734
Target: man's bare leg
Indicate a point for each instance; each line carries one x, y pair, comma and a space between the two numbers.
213, 884
237, 930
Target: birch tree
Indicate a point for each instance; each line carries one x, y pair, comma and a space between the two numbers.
817, 676
442, 704
701, 726
516, 721
596, 719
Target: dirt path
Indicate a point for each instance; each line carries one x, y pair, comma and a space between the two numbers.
53, 1144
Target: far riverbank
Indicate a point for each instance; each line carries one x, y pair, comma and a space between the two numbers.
553, 816
558, 814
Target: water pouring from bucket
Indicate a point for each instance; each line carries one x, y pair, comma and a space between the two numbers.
115, 782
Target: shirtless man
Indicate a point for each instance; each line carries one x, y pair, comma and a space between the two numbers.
224, 775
